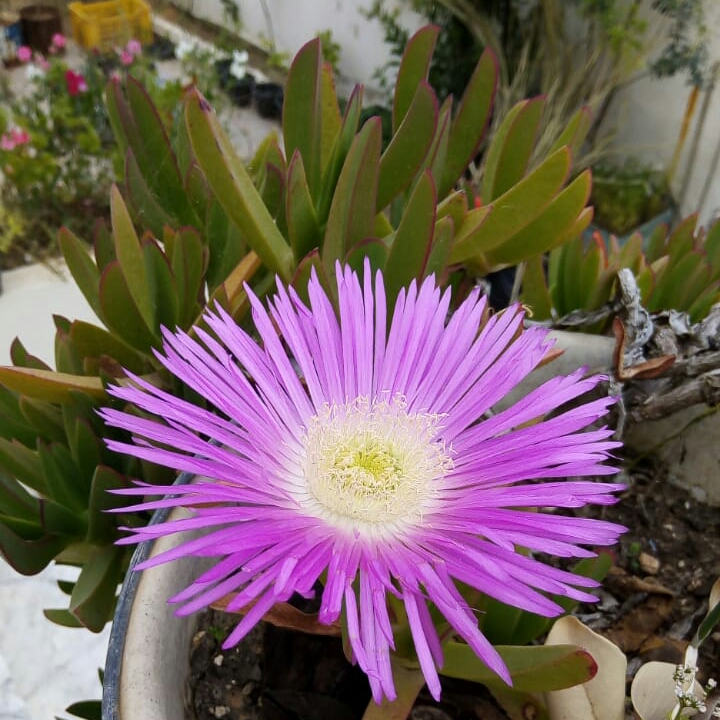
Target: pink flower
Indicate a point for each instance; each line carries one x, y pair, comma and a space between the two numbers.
357, 445
76, 83
42, 63
14, 137
126, 58
24, 54
134, 47
58, 41
20, 137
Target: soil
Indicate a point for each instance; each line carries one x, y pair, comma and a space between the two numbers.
650, 605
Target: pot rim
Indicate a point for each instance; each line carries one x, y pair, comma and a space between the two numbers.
121, 618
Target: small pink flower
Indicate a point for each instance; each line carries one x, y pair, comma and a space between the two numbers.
126, 58
134, 47
41, 62
14, 137
75, 82
58, 41
20, 137
24, 54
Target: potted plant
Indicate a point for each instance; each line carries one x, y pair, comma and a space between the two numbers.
630, 198
293, 221
234, 78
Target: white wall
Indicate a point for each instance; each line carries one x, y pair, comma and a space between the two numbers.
295, 22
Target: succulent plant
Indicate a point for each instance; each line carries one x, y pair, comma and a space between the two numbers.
192, 223
677, 270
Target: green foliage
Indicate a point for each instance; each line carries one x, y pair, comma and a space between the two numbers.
678, 270
56, 155
626, 196
687, 49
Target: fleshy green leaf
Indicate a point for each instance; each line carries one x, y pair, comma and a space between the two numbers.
149, 212
20, 357
471, 119
137, 125
29, 557
93, 341
410, 249
302, 112
120, 313
86, 709
509, 153
188, 260
441, 247
48, 385
62, 617
554, 226
371, 249
24, 464
575, 132
65, 485
413, 70
231, 293
226, 244
93, 597
533, 194
713, 616
535, 293
338, 154
130, 258
16, 500
407, 149
82, 268
302, 222
45, 417
533, 668
162, 286
103, 245
353, 207
101, 524
330, 114
233, 187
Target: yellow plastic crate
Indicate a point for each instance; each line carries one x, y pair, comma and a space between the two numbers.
110, 24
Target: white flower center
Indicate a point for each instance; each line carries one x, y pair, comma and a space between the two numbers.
372, 465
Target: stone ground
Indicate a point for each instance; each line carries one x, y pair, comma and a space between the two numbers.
44, 667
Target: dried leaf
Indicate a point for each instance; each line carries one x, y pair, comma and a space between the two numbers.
603, 697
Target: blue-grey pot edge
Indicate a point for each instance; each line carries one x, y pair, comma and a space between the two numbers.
121, 619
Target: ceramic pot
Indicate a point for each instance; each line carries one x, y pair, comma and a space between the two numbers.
147, 661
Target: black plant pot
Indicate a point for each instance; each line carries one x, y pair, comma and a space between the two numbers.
222, 68
161, 48
241, 91
269, 100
